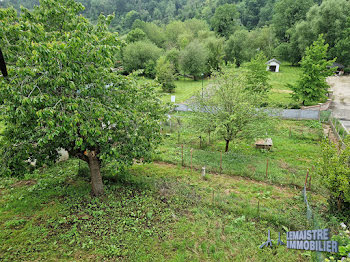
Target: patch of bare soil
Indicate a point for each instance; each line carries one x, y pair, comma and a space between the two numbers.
24, 183
327, 131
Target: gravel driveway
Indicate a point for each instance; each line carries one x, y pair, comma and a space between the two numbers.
341, 99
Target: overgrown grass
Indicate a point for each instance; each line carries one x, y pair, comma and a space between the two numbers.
185, 89
154, 212
295, 150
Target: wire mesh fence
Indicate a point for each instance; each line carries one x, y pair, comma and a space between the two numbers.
313, 222
339, 129
257, 167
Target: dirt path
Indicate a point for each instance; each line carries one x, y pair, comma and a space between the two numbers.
341, 98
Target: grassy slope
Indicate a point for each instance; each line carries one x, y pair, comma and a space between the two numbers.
156, 212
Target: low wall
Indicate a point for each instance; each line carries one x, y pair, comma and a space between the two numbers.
298, 114
320, 107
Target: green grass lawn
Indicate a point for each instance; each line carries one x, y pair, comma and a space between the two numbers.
279, 96
289, 159
153, 212
185, 89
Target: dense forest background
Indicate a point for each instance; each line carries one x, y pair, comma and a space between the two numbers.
279, 28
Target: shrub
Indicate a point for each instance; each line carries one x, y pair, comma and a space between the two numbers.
334, 168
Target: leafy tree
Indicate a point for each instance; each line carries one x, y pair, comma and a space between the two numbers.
130, 18
173, 31
140, 55
216, 53
172, 56
329, 19
228, 107
61, 93
261, 40
334, 168
250, 12
193, 59
165, 74
136, 35
312, 86
153, 32
257, 76
225, 20
342, 47
236, 47
287, 13
195, 26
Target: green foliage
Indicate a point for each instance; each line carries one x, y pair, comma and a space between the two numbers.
228, 107
286, 14
130, 18
329, 19
141, 55
135, 35
153, 32
342, 47
257, 76
165, 74
172, 56
312, 86
193, 59
236, 47
334, 168
225, 20
216, 53
62, 93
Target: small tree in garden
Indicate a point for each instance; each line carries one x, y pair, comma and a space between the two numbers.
257, 76
165, 74
229, 108
334, 168
312, 86
61, 93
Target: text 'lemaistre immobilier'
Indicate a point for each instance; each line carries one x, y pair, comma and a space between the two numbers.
314, 240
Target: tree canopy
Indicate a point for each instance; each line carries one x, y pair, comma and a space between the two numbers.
61, 92
312, 86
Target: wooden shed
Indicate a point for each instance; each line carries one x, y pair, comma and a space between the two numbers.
273, 65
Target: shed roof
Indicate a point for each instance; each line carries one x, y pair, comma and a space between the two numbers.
339, 66
273, 60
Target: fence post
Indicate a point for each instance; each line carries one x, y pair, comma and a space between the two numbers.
319, 112
191, 158
310, 181
220, 162
307, 175
182, 154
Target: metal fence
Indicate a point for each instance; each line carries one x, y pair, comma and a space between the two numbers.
314, 223
340, 129
299, 114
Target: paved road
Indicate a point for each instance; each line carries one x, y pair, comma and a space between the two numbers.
341, 99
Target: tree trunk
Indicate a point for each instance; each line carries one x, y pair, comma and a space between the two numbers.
96, 178
227, 144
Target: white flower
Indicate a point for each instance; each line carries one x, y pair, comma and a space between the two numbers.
343, 225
